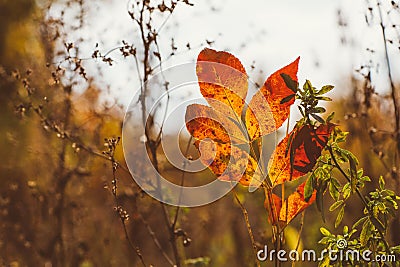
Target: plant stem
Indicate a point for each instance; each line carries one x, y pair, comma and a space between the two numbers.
394, 93
249, 230
364, 201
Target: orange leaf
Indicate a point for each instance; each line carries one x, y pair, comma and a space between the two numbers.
304, 150
266, 113
227, 162
294, 204
273, 205
279, 165
204, 122
223, 81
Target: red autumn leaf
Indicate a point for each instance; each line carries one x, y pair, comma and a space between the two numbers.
307, 145
266, 113
293, 160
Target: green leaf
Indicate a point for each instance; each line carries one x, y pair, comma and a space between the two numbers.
375, 211
287, 99
346, 191
309, 187
323, 98
366, 232
318, 118
318, 110
339, 217
336, 205
307, 86
320, 202
201, 261
381, 183
330, 117
290, 83
325, 240
333, 190
335, 182
395, 249
353, 170
325, 89
360, 221
325, 231
340, 154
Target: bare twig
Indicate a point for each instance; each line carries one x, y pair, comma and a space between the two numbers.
155, 240
182, 182
248, 226
299, 237
395, 93
123, 215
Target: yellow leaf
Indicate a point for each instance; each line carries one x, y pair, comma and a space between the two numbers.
228, 163
205, 122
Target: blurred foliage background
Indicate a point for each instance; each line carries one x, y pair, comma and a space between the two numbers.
56, 204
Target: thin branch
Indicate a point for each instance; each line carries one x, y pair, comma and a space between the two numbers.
249, 230
155, 240
182, 182
135, 248
147, 42
122, 214
300, 232
395, 95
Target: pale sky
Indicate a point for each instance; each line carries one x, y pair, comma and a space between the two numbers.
271, 33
